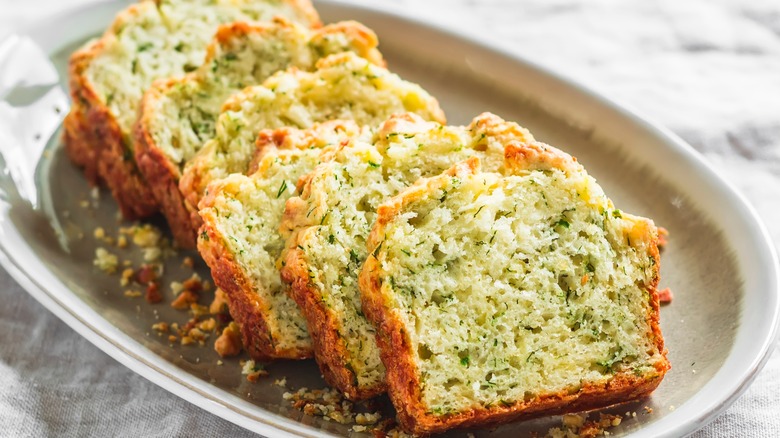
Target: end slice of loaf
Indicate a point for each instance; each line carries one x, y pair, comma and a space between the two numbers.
240, 239
499, 297
147, 41
177, 115
329, 223
344, 86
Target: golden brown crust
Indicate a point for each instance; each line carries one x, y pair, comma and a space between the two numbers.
244, 306
329, 348
534, 155
396, 348
162, 175
307, 10
363, 39
94, 140
78, 137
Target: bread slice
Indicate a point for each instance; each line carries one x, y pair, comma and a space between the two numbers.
178, 115
240, 239
344, 86
146, 41
330, 221
498, 297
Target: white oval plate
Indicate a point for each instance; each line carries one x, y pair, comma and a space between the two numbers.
720, 262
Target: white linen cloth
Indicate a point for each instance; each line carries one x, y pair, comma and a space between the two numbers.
710, 71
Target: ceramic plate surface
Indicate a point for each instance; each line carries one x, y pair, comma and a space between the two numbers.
720, 262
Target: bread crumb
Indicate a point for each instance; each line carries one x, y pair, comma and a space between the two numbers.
253, 371
578, 426
573, 420
127, 275
208, 325
665, 295
188, 262
105, 261
176, 287
152, 254
281, 382
148, 273
229, 343
219, 305
121, 242
199, 310
153, 293
160, 327
184, 300
130, 293
219, 362
146, 236
194, 283
368, 418
99, 233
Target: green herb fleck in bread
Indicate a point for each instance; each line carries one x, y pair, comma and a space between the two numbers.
179, 114
344, 86
330, 221
147, 41
499, 297
240, 239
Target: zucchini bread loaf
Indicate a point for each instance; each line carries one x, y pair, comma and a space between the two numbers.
149, 40
177, 115
344, 86
329, 223
240, 238
504, 296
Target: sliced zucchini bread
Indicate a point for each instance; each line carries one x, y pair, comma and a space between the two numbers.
149, 40
329, 223
177, 115
344, 86
504, 296
240, 239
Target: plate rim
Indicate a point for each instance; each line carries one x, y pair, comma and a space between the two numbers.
187, 387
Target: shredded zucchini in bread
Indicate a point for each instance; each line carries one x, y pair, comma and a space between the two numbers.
343, 86
178, 115
147, 41
241, 243
331, 219
501, 296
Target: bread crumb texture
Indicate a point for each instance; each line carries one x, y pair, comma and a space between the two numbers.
330, 222
180, 113
159, 39
344, 86
241, 220
501, 291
